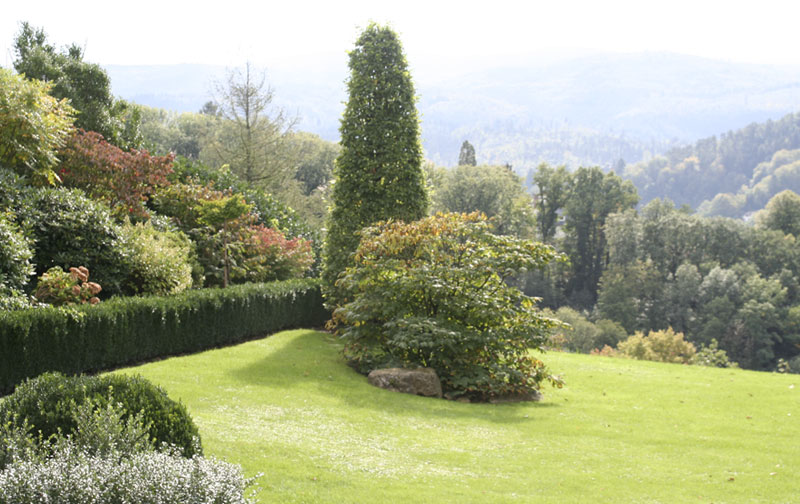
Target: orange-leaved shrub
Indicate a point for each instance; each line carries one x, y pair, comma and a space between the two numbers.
57, 287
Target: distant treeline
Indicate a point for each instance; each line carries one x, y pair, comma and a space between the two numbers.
729, 176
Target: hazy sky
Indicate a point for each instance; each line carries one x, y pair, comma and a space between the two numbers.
433, 32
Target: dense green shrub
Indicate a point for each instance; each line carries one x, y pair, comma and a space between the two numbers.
49, 404
70, 229
15, 300
12, 189
713, 356
126, 330
109, 458
581, 335
160, 262
100, 429
433, 293
15, 256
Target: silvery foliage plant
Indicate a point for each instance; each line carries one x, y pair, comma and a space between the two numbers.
108, 460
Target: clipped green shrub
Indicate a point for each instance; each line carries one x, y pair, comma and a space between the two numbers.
50, 404
122, 330
106, 430
433, 293
159, 262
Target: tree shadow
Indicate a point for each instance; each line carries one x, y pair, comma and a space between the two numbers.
313, 359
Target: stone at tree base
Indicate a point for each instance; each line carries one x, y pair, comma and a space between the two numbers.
420, 381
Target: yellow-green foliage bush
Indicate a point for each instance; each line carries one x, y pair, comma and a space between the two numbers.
661, 346
159, 261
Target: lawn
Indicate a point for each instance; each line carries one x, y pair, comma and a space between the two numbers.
620, 431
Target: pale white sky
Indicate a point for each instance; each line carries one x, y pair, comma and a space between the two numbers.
433, 32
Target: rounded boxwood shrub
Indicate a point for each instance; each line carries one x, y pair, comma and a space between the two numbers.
49, 404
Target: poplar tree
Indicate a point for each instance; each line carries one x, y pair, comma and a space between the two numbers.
378, 173
467, 155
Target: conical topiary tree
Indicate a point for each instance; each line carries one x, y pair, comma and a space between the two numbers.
379, 170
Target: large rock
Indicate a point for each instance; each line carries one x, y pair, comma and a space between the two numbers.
420, 381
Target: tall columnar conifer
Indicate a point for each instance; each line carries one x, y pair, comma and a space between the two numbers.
379, 170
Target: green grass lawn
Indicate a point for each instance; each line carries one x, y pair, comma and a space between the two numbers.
620, 431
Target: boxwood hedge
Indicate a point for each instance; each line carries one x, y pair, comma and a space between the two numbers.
122, 331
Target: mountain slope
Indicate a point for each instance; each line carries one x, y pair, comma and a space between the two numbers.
592, 109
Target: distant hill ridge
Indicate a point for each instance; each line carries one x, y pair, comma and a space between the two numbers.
729, 176
587, 110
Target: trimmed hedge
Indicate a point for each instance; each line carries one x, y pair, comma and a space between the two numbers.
127, 330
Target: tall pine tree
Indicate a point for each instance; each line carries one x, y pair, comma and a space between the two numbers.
379, 170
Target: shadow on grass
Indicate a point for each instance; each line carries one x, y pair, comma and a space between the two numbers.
312, 359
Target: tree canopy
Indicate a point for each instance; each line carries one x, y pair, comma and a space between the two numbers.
85, 85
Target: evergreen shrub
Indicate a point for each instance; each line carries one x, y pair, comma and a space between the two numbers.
122, 331
49, 405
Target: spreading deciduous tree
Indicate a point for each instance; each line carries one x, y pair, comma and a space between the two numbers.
493, 190
33, 125
435, 293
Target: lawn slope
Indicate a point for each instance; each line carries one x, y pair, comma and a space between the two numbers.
621, 431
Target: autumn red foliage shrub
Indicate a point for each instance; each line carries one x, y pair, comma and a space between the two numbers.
270, 256
124, 180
